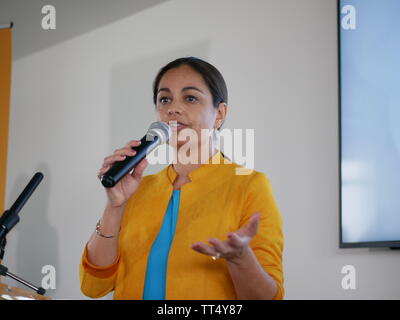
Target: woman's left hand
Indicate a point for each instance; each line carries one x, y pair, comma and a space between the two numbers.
235, 247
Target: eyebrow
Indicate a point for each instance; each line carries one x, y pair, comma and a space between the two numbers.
183, 89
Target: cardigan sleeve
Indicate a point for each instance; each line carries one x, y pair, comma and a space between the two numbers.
267, 244
96, 281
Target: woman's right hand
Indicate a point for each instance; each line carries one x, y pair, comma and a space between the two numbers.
127, 186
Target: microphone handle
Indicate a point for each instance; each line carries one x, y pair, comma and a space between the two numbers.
121, 168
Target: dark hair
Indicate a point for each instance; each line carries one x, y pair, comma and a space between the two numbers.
212, 77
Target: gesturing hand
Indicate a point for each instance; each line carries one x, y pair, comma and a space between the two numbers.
234, 247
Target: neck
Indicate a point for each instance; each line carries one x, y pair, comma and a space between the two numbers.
183, 169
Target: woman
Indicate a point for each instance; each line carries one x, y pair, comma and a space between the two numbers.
151, 241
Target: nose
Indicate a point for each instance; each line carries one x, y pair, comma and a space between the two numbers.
174, 109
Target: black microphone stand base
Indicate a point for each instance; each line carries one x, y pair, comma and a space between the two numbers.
4, 271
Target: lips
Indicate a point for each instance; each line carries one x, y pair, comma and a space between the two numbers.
176, 125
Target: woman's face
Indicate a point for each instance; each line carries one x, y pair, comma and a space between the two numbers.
184, 97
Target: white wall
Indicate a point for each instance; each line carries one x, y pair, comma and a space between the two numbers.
75, 102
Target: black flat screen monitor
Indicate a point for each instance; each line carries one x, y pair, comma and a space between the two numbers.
369, 121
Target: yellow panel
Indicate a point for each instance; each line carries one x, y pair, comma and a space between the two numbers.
5, 83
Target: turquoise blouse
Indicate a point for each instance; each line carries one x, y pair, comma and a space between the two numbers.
156, 272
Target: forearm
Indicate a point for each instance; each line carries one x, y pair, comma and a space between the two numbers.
104, 251
250, 280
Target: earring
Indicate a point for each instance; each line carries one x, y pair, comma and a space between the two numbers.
215, 135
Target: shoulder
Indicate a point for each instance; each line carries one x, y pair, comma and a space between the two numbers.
254, 186
150, 179
154, 179
248, 178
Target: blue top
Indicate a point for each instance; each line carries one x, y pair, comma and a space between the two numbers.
156, 273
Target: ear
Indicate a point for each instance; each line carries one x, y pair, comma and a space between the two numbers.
221, 114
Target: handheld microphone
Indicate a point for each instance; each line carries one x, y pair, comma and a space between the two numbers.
158, 133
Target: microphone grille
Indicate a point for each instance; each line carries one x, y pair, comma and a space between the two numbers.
160, 129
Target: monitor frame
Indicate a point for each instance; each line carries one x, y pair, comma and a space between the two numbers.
393, 244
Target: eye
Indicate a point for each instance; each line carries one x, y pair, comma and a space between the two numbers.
191, 98
161, 100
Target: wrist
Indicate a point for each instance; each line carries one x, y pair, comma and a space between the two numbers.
110, 222
99, 232
113, 209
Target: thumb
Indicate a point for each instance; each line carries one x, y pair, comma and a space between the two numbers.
251, 228
253, 224
139, 169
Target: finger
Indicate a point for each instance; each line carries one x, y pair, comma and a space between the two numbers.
125, 152
235, 240
133, 143
112, 159
102, 171
204, 249
220, 246
119, 155
138, 172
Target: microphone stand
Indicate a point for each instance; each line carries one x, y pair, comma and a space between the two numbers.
8, 220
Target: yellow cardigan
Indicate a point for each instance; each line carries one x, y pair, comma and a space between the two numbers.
215, 202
